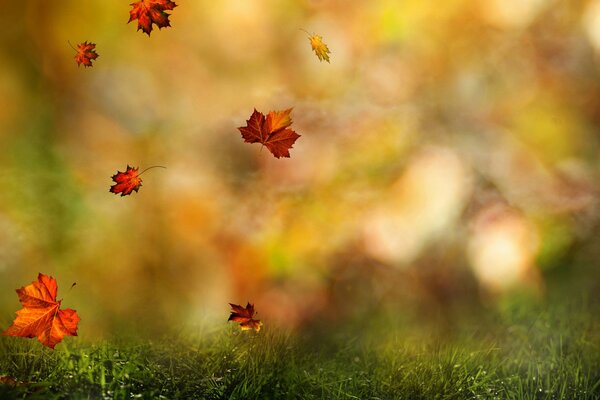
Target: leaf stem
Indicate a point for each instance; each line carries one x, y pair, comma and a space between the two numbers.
304, 30
154, 166
67, 292
68, 41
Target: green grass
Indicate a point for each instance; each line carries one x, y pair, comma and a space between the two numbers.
534, 355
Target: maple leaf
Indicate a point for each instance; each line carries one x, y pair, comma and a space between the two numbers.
41, 315
271, 131
320, 48
244, 317
85, 54
128, 181
149, 12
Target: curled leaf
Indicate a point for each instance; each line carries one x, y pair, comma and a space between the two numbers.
85, 54
244, 317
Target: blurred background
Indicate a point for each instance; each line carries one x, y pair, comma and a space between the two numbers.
449, 161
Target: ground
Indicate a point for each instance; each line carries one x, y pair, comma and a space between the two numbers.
534, 352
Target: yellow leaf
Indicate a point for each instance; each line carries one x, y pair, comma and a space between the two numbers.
320, 48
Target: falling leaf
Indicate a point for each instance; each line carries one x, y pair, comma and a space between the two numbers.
149, 12
128, 181
85, 54
320, 48
41, 315
244, 317
271, 131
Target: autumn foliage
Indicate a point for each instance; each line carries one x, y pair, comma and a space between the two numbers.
148, 12
85, 54
41, 315
271, 131
244, 317
126, 182
319, 47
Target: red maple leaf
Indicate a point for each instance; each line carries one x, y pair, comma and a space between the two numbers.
244, 317
85, 54
41, 315
128, 181
149, 12
271, 131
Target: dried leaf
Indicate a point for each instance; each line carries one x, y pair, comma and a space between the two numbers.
148, 12
41, 315
271, 131
85, 54
244, 317
8, 380
12, 381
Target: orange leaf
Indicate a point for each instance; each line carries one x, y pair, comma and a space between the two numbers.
85, 54
126, 182
41, 315
149, 12
271, 131
8, 380
244, 317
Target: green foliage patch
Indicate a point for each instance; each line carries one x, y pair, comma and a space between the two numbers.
550, 355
